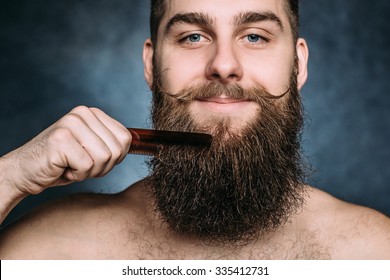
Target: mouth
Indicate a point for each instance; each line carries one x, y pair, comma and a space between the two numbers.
222, 104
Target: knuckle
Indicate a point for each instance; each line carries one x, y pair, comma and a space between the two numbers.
60, 134
88, 167
116, 153
104, 156
71, 119
124, 137
77, 177
96, 110
88, 164
84, 170
80, 109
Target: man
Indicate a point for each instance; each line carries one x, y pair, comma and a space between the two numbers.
229, 68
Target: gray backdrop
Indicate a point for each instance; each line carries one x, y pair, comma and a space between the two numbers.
56, 55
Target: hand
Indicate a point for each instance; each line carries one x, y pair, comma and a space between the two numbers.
85, 143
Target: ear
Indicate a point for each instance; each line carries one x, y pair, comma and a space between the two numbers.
148, 61
303, 57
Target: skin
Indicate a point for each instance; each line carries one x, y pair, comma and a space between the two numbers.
87, 143
224, 54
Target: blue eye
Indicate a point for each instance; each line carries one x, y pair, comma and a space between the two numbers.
193, 38
253, 38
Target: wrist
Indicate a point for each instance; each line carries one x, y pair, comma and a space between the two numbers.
8, 186
11, 178
10, 194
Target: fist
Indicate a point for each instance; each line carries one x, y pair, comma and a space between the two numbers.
85, 143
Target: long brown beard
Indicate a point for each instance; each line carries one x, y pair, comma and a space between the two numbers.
246, 184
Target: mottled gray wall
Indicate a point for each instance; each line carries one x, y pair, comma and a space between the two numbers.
347, 98
56, 55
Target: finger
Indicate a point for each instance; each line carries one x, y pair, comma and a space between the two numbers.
121, 133
92, 142
74, 162
115, 135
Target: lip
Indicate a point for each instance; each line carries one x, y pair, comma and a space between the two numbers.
222, 100
223, 105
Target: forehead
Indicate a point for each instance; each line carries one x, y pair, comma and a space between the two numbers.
225, 10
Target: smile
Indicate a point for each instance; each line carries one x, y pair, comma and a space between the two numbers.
222, 100
223, 105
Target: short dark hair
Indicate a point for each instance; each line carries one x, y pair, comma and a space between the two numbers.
293, 15
159, 7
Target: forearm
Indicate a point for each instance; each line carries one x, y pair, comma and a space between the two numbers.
86, 143
10, 196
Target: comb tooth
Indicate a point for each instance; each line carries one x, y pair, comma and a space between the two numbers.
142, 148
147, 141
171, 137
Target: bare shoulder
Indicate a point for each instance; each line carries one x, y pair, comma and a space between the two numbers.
81, 226
350, 231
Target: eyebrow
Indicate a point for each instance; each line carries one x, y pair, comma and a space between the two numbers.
252, 17
200, 19
205, 20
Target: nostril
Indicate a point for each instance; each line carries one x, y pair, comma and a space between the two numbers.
224, 69
216, 76
224, 79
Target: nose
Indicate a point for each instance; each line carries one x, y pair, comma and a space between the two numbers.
224, 65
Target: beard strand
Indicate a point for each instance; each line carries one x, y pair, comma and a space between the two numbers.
245, 184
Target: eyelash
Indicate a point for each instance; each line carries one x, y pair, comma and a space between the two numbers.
186, 39
260, 39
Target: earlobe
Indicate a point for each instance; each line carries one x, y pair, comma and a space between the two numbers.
303, 57
148, 61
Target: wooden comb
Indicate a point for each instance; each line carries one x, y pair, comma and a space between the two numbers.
147, 141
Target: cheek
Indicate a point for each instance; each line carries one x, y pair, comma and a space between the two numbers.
271, 71
181, 70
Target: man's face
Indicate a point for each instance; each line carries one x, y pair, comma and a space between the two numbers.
247, 42
229, 68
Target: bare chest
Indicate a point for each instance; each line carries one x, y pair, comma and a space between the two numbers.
146, 247
279, 252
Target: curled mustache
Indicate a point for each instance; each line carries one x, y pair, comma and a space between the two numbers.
215, 89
